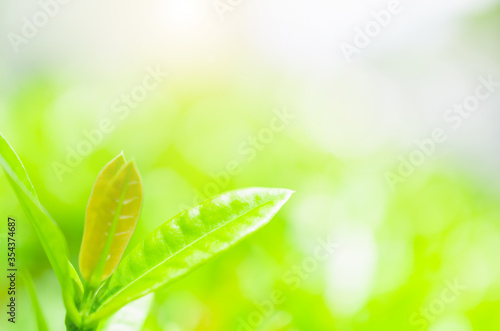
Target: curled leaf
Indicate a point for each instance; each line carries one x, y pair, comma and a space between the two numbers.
112, 214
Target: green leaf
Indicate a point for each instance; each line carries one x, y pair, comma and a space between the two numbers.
51, 237
40, 319
112, 214
186, 241
131, 317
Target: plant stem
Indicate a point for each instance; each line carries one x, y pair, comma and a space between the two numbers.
70, 326
87, 301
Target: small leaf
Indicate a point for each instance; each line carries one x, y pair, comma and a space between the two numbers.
51, 237
131, 317
40, 319
186, 241
112, 214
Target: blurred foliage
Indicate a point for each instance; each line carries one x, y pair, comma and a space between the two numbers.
398, 250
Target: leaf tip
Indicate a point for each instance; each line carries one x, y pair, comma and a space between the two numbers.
286, 194
121, 156
133, 165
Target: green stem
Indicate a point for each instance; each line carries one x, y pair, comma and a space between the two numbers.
87, 302
70, 326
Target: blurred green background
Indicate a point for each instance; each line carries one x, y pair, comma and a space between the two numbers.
265, 98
